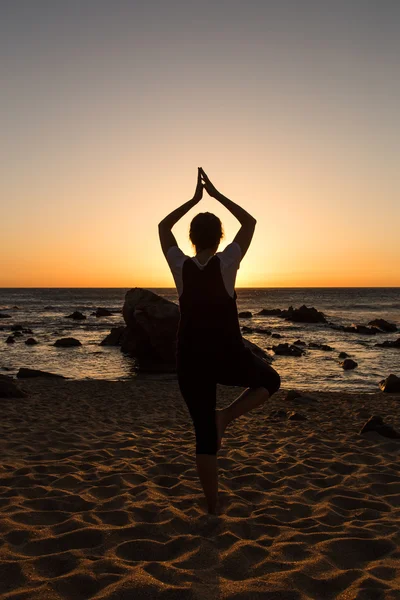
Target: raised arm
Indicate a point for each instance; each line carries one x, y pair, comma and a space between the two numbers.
167, 238
248, 223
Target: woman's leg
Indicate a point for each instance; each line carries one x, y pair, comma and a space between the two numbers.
258, 376
199, 394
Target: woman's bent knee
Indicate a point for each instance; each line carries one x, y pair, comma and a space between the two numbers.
274, 383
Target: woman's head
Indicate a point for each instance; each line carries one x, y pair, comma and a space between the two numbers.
205, 231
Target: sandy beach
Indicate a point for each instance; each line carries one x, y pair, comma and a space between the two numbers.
99, 497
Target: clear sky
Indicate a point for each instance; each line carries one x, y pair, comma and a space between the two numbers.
107, 108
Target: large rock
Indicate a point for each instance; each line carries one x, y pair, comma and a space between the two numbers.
390, 385
9, 389
23, 373
299, 315
376, 423
303, 315
150, 334
384, 325
245, 314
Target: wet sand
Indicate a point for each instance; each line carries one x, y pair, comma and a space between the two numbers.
99, 497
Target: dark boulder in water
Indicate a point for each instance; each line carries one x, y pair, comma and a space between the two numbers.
299, 343
151, 331
353, 328
348, 364
10, 340
67, 342
25, 373
390, 385
31, 342
317, 346
9, 389
270, 311
384, 325
102, 312
245, 314
276, 335
76, 315
287, 350
376, 423
303, 315
4, 316
390, 344
246, 329
343, 355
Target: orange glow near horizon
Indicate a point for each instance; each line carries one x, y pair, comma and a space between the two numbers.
108, 112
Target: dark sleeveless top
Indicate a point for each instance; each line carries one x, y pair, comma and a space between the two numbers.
209, 323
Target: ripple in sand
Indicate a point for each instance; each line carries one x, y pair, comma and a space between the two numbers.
84, 538
150, 550
11, 576
349, 553
55, 565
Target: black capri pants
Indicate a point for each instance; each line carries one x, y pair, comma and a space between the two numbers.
198, 377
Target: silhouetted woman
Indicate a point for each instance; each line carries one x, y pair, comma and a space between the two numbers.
210, 347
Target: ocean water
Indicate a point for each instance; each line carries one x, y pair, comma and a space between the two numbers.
44, 309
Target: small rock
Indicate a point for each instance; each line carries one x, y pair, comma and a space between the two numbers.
30, 342
67, 342
299, 343
24, 373
102, 312
17, 328
390, 385
246, 329
375, 423
10, 340
276, 335
270, 311
4, 316
9, 389
343, 355
76, 315
295, 416
17, 334
348, 363
261, 330
291, 395
320, 346
287, 350
245, 314
278, 413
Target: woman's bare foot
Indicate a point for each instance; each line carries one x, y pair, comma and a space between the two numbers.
222, 423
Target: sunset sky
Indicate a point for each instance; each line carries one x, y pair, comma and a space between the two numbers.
107, 108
